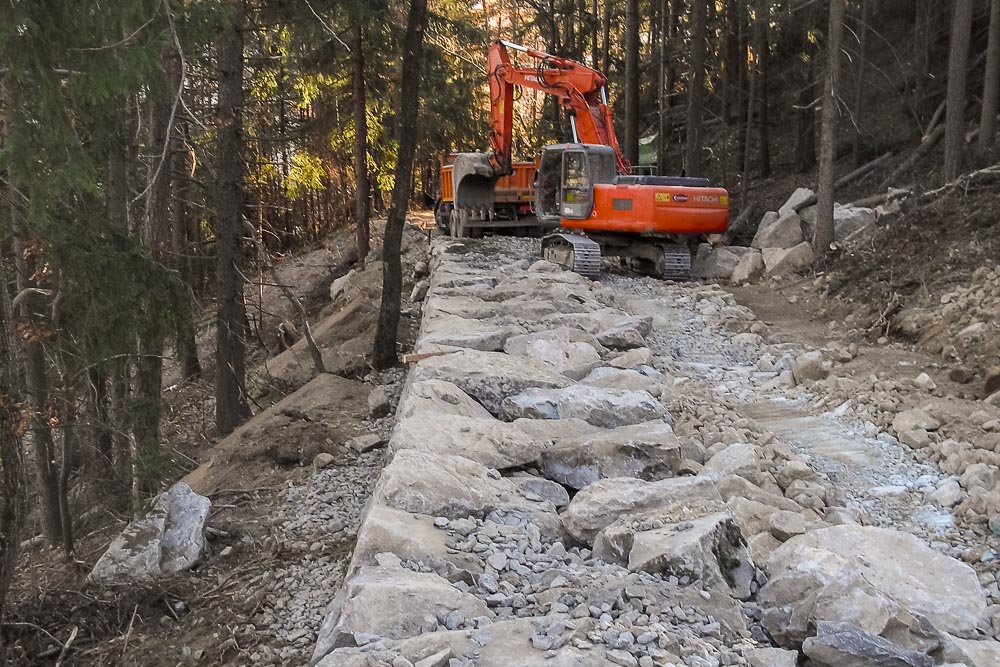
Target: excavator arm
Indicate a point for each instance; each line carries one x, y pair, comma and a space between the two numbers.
580, 89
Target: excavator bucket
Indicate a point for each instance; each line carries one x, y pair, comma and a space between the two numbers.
474, 181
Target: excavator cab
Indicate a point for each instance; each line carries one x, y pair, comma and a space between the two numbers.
566, 177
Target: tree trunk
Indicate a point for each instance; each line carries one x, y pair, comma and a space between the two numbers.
231, 407
13, 495
754, 76
187, 347
156, 237
606, 37
668, 16
763, 125
696, 90
991, 84
805, 114
958, 60
859, 84
631, 145
595, 34
823, 233
117, 204
37, 394
384, 354
362, 211
13, 500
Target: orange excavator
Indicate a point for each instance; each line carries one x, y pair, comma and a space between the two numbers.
587, 187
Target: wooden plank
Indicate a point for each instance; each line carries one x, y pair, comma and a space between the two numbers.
414, 358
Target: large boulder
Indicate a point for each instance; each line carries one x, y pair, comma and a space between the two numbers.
504, 643
749, 268
874, 578
850, 220
604, 501
647, 451
387, 600
169, 538
489, 377
606, 408
412, 537
910, 420
843, 645
692, 537
811, 366
715, 263
454, 487
627, 334
644, 379
797, 200
785, 232
521, 344
736, 459
778, 261
485, 440
443, 332
439, 397
971, 652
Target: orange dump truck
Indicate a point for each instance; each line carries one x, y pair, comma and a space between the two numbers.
510, 207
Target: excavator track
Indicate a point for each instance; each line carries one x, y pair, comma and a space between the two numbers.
676, 264
573, 252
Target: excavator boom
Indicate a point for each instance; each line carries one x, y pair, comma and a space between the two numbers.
580, 90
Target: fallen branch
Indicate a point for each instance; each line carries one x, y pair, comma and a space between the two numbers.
862, 170
932, 125
965, 181
265, 257
925, 146
881, 198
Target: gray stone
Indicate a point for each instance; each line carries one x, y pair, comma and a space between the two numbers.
842, 645
378, 403
717, 263
628, 334
849, 220
909, 420
488, 377
606, 408
169, 538
419, 291
488, 441
323, 460
454, 487
891, 569
811, 366
797, 200
779, 261
366, 443
646, 451
749, 268
604, 501
771, 657
785, 232
971, 652
736, 459
709, 549
389, 601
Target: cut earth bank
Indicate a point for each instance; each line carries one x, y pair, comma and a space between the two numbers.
633, 472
